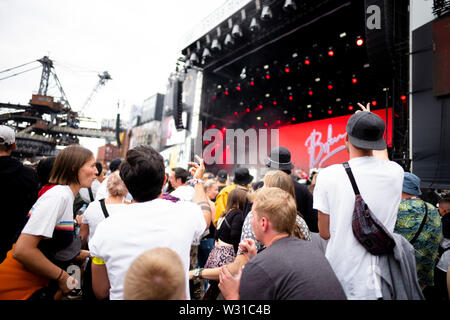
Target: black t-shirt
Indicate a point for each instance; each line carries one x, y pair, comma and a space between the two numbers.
304, 200
18, 192
446, 226
231, 228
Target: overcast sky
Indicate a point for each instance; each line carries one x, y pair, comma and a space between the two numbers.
136, 41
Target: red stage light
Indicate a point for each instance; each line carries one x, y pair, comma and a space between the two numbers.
267, 76
226, 92
330, 111
236, 113
403, 97
252, 83
279, 121
359, 41
265, 124
374, 103
330, 87
260, 106
293, 118
350, 108
331, 53
213, 126
274, 103
214, 97
291, 98
238, 88
310, 92
224, 129
287, 70
307, 62
309, 115
248, 110
206, 142
354, 80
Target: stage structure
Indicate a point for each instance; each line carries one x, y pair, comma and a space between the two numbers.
281, 63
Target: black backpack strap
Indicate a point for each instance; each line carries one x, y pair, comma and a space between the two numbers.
105, 212
351, 177
91, 195
421, 225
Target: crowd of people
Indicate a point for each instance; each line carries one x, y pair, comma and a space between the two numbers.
143, 231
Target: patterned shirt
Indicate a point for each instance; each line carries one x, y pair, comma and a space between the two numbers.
410, 215
247, 231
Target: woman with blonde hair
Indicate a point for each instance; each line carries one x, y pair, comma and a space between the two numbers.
99, 210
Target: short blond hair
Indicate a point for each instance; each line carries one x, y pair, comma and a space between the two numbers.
278, 206
157, 274
115, 185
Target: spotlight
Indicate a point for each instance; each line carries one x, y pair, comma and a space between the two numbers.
215, 45
266, 13
310, 92
267, 75
243, 73
289, 5
194, 58
330, 111
228, 41
307, 61
354, 79
236, 32
252, 83
330, 86
374, 103
350, 108
206, 54
238, 87
359, 41
309, 115
254, 25
287, 69
403, 98
330, 52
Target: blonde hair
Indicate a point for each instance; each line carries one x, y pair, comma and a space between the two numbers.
157, 274
208, 184
282, 180
116, 186
276, 205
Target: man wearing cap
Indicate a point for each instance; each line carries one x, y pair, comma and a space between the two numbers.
18, 191
412, 213
242, 179
280, 159
380, 184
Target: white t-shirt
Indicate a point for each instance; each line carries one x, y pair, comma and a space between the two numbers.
120, 239
94, 215
84, 192
53, 211
380, 184
102, 191
185, 193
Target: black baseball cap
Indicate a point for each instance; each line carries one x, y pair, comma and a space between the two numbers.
222, 176
365, 131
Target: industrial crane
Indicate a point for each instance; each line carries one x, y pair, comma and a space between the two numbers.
101, 82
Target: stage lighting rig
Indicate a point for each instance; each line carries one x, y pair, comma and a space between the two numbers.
215, 45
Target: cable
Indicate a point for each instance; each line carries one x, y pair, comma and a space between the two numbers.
17, 67
16, 74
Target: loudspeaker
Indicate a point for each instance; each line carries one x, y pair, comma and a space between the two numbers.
177, 94
379, 27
